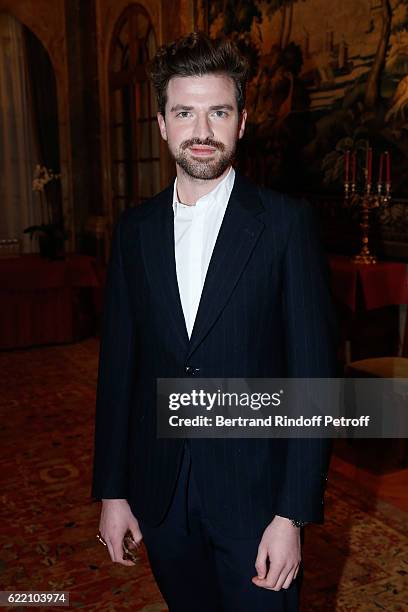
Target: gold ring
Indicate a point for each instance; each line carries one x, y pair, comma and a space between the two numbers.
100, 538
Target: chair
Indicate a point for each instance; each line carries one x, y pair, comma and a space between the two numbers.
385, 367
382, 367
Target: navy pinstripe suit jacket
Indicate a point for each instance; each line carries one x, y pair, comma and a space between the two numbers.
265, 311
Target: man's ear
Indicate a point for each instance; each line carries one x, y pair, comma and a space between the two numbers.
162, 126
242, 122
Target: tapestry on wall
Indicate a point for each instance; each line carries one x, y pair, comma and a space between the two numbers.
327, 77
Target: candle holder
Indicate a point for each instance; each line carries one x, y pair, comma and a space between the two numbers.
367, 201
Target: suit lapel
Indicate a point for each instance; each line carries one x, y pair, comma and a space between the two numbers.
157, 238
239, 232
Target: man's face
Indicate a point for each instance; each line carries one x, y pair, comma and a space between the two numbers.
202, 124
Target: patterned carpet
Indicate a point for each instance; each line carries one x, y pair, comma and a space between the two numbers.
357, 561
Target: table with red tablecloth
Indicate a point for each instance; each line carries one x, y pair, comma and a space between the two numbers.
39, 299
361, 288
371, 285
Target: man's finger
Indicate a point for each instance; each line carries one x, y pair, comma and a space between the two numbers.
117, 550
269, 581
274, 574
260, 563
110, 549
137, 536
289, 579
283, 576
118, 554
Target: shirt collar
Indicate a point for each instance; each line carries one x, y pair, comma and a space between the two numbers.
220, 193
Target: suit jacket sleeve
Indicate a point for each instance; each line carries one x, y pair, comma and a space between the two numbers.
311, 338
116, 370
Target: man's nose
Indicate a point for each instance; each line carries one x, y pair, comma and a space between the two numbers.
203, 128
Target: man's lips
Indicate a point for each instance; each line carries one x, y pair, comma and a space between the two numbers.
202, 150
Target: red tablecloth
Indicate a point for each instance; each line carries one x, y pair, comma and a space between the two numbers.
370, 286
38, 298
32, 272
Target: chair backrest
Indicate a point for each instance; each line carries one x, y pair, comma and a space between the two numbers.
10, 247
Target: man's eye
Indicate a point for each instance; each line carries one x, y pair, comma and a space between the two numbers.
183, 114
220, 113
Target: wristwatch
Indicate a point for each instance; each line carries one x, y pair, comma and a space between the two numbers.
297, 523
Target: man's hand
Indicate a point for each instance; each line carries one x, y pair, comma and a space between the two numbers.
116, 519
280, 544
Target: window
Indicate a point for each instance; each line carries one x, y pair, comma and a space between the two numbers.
134, 131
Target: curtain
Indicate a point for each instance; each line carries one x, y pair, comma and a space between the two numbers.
43, 90
19, 205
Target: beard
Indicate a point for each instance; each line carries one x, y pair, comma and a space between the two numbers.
206, 169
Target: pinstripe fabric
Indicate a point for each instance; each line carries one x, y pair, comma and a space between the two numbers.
264, 312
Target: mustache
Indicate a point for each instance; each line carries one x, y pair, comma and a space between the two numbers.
208, 142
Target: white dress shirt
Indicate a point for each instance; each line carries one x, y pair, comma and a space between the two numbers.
196, 229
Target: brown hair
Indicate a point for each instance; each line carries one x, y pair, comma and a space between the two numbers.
196, 54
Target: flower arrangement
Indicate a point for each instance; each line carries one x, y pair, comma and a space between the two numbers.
43, 176
51, 235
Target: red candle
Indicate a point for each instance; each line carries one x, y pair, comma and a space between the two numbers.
346, 166
380, 173
388, 166
353, 167
369, 165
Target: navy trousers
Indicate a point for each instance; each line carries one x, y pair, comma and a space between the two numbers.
198, 569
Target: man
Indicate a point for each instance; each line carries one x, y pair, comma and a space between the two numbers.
211, 278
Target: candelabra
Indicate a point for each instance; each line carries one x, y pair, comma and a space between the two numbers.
366, 200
